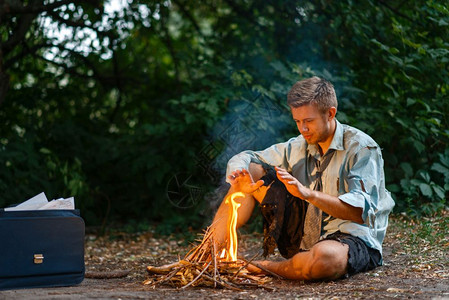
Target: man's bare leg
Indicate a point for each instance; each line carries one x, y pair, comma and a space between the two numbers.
219, 224
326, 260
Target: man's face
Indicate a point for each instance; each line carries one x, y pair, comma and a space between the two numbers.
314, 126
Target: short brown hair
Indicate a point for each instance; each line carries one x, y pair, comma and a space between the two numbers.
313, 90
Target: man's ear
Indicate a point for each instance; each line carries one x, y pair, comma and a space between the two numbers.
332, 112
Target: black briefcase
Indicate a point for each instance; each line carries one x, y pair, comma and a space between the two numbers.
41, 248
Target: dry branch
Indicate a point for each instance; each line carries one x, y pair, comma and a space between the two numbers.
107, 274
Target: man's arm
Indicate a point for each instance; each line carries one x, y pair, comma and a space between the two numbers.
275, 155
335, 207
329, 204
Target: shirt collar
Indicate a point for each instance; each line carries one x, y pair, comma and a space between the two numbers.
337, 141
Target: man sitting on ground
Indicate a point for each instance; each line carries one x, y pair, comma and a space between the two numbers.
329, 216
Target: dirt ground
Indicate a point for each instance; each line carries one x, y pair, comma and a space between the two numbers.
416, 266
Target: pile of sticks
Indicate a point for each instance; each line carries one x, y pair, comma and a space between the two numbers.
203, 266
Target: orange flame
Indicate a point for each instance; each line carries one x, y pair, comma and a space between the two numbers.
232, 225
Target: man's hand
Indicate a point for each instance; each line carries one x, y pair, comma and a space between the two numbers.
292, 184
243, 181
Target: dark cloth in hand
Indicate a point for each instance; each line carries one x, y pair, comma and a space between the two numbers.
283, 217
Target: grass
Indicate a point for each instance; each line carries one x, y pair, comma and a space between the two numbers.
426, 239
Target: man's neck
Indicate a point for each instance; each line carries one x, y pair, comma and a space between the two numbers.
324, 146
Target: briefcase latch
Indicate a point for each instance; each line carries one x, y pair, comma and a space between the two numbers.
38, 258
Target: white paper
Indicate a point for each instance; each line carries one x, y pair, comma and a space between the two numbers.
31, 204
40, 202
60, 203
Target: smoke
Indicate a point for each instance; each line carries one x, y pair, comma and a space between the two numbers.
252, 123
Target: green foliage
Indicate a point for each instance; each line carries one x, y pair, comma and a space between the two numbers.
29, 169
401, 65
115, 125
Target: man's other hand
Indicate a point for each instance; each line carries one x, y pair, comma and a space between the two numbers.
292, 184
242, 181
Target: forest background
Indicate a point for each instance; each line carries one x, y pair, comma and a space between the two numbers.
135, 110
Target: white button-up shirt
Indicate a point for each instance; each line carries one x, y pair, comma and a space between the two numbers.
355, 175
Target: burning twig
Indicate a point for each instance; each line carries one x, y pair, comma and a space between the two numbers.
214, 256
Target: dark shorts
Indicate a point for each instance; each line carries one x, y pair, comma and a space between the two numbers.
361, 258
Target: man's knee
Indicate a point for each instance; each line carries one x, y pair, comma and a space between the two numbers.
256, 171
330, 260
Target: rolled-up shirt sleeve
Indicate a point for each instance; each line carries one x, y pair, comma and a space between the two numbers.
275, 155
363, 183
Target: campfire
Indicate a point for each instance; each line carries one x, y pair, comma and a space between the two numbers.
204, 265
